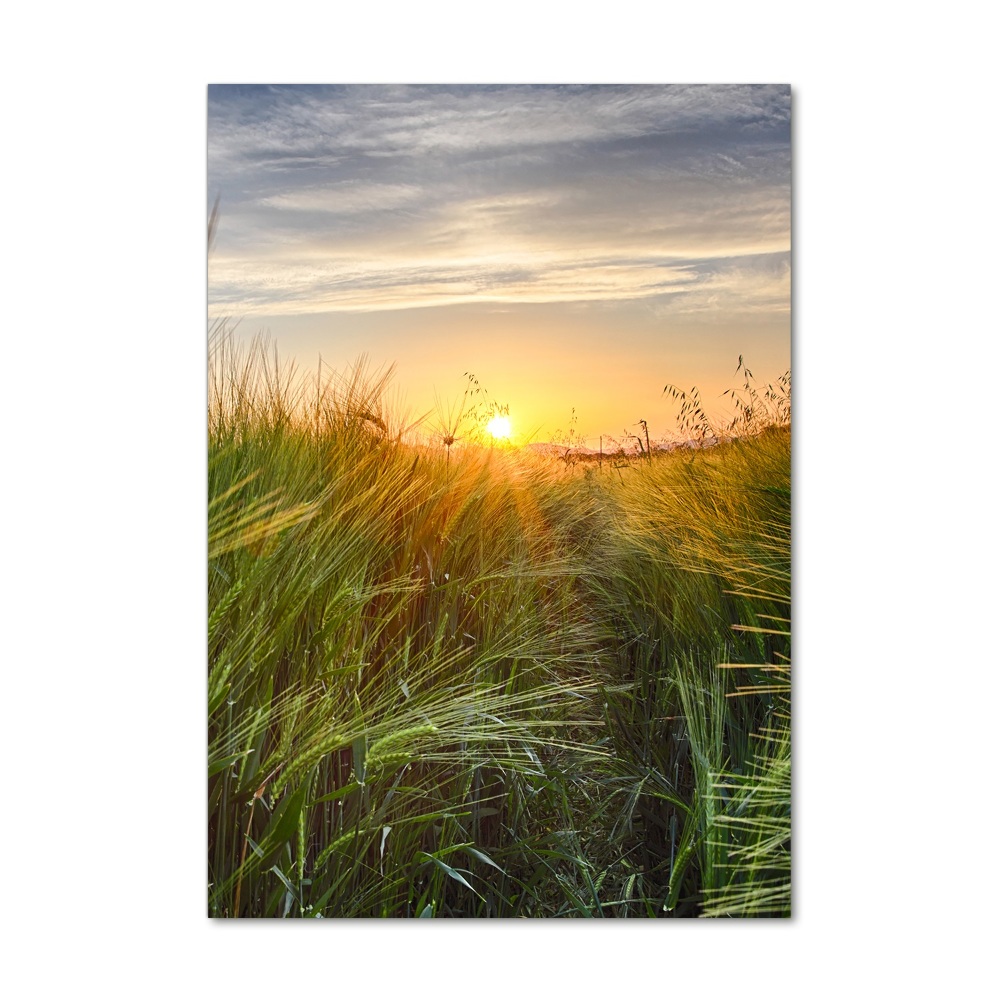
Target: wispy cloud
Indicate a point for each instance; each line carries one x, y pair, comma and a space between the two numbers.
346, 197
368, 198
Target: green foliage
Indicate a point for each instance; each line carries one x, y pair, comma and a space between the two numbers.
695, 572
467, 684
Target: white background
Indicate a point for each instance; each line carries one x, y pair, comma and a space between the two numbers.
103, 224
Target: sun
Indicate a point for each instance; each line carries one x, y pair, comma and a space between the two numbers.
499, 427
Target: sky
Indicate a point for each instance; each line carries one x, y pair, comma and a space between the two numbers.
577, 248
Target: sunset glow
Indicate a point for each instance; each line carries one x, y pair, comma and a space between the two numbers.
577, 247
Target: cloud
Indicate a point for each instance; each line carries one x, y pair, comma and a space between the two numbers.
367, 198
412, 121
752, 285
346, 197
744, 286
